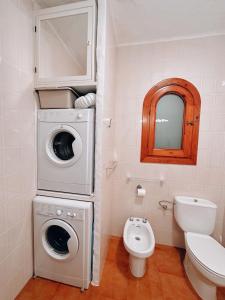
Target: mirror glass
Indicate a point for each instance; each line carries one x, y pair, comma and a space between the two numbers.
63, 46
169, 122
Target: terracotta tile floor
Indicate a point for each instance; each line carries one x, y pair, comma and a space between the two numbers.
164, 280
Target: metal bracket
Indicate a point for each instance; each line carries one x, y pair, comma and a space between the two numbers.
164, 204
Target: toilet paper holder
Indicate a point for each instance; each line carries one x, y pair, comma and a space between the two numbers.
139, 187
140, 191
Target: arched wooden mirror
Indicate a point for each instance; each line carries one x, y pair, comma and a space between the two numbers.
170, 123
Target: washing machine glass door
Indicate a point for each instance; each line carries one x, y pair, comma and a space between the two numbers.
59, 240
64, 146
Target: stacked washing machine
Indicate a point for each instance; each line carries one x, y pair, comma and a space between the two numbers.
63, 212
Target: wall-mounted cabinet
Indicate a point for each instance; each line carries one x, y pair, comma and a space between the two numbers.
65, 45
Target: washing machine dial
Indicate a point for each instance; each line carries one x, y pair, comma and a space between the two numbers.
59, 212
79, 116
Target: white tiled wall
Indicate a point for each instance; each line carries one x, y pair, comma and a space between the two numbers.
17, 145
138, 68
108, 142
106, 55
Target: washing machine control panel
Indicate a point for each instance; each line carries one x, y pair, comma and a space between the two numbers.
65, 115
70, 213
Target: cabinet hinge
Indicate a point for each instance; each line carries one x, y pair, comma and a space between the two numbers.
35, 28
35, 69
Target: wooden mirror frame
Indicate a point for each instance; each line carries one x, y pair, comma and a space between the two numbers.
188, 153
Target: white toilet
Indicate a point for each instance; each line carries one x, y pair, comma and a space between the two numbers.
139, 241
205, 258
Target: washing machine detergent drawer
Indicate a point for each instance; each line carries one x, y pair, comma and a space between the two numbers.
66, 152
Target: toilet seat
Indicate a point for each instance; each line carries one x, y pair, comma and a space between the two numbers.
207, 255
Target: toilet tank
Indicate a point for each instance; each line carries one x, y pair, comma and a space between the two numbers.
195, 214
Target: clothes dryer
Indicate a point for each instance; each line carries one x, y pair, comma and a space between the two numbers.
66, 150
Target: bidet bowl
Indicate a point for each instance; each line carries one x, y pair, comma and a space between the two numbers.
139, 241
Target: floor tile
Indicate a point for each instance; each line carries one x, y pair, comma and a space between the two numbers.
176, 287
39, 289
67, 292
221, 294
117, 252
169, 260
164, 280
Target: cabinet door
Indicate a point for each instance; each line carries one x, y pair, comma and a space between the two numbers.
65, 45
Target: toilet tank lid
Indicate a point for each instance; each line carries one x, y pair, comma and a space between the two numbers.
195, 201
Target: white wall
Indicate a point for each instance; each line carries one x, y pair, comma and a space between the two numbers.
104, 137
138, 68
17, 146
108, 143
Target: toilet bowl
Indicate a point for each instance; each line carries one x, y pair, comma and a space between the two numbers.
139, 241
204, 259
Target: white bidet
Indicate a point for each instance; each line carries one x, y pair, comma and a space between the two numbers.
139, 241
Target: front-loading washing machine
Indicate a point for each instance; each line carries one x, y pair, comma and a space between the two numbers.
66, 150
63, 240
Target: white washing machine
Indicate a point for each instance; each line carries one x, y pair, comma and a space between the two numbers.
63, 240
66, 150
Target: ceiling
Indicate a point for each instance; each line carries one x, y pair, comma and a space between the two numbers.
138, 21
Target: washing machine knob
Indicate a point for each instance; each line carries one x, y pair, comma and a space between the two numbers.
59, 212
79, 116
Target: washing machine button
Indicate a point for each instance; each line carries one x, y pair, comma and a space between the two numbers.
69, 214
59, 212
74, 214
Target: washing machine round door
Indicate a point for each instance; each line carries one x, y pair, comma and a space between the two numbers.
59, 240
64, 146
